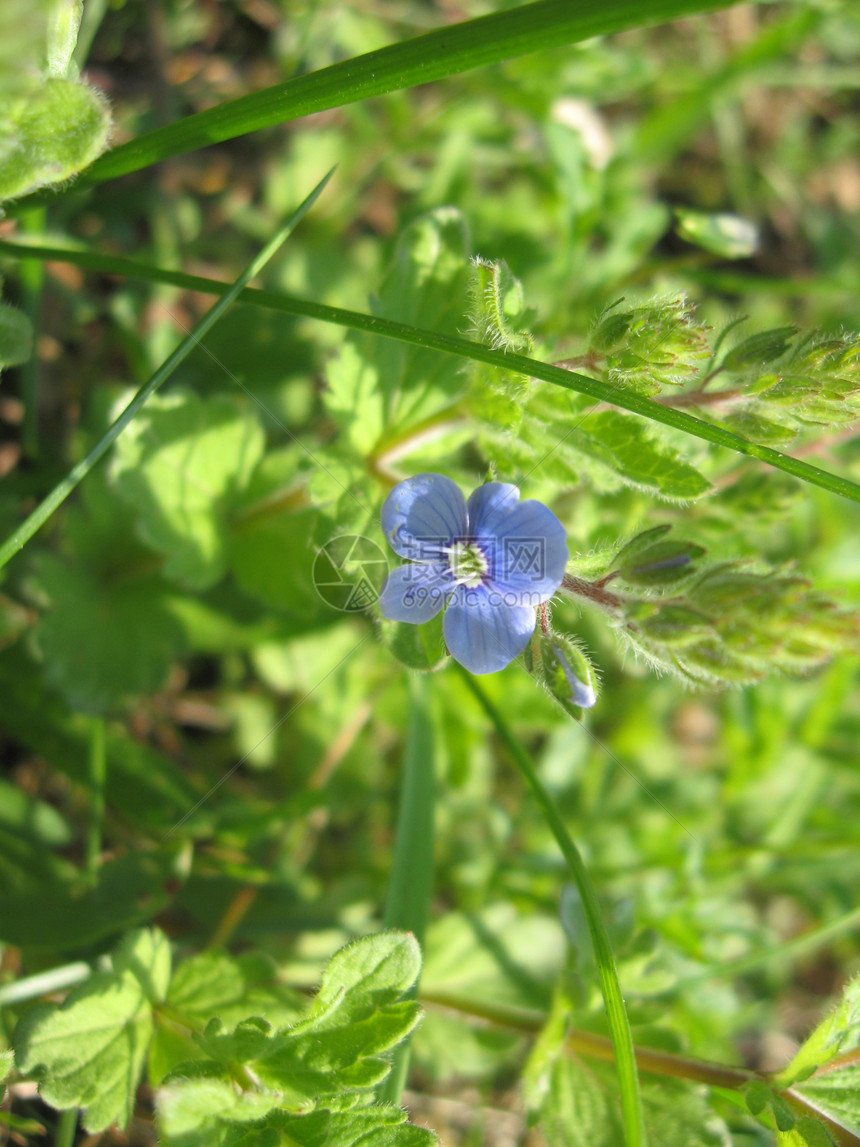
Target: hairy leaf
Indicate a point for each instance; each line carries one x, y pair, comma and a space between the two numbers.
89, 1051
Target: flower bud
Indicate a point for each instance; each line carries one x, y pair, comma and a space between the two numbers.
567, 673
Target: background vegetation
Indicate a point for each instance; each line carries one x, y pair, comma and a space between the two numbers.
198, 748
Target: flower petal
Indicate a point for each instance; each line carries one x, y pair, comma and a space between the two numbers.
416, 593
525, 543
423, 515
482, 634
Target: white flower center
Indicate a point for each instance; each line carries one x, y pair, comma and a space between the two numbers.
467, 563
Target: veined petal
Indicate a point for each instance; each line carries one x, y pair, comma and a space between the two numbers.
423, 515
482, 634
416, 593
525, 543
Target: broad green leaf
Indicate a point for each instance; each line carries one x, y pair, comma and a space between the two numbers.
213, 983
377, 387
103, 640
609, 446
723, 234
322, 1060
183, 464
376, 1126
16, 336
368, 974
829, 1038
50, 135
836, 1093
89, 1051
66, 915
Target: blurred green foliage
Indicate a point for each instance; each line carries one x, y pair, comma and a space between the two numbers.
617, 206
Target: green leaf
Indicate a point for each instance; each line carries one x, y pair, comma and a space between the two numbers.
16, 336
377, 387
759, 349
89, 1051
836, 1093
663, 562
806, 1132
828, 1039
723, 234
416, 646
103, 640
54, 133
213, 983
443, 52
576, 1101
324, 1059
65, 915
183, 464
611, 447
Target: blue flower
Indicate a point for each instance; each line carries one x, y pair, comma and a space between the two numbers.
492, 559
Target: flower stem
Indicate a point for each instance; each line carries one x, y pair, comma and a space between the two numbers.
594, 590
97, 778
619, 1025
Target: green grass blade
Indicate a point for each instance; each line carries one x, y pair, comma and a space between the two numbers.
62, 490
619, 1025
433, 56
410, 885
355, 320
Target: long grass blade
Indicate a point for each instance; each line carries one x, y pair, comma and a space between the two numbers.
619, 1025
386, 328
410, 885
433, 56
62, 490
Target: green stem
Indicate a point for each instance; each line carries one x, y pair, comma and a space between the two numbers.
410, 887
32, 274
463, 348
619, 1025
97, 778
61, 491
67, 1125
44, 983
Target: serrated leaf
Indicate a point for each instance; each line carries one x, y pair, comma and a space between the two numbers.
370, 972
89, 1051
322, 1060
377, 386
213, 983
836, 1093
103, 639
622, 445
183, 464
